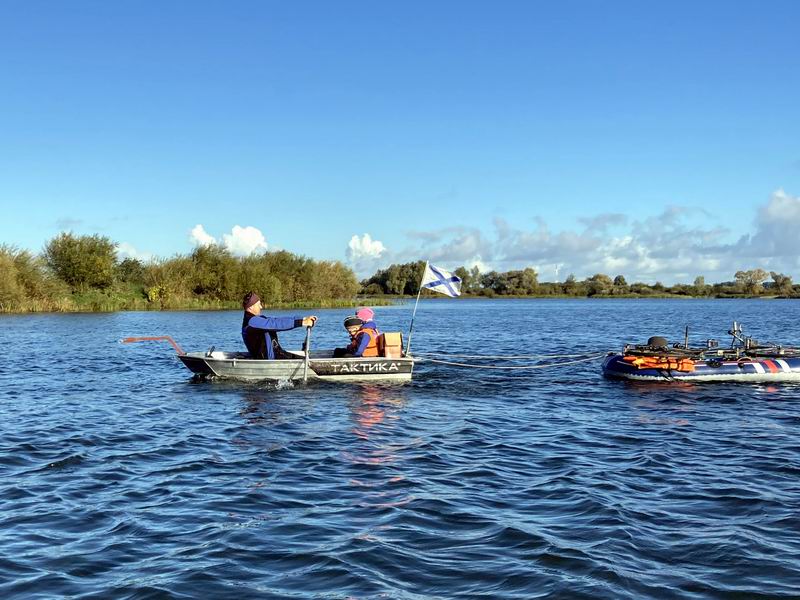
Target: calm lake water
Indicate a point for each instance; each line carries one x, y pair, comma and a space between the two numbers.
122, 478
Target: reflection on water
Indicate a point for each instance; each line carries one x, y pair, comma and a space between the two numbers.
376, 411
371, 405
122, 478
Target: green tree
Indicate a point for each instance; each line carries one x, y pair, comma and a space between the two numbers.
401, 279
213, 272
413, 274
470, 279
11, 293
331, 279
514, 283
599, 284
497, 282
169, 281
641, 289
682, 289
130, 270
466, 279
33, 278
750, 282
253, 275
700, 287
372, 289
620, 285
782, 283
475, 279
571, 285
396, 280
529, 281
82, 262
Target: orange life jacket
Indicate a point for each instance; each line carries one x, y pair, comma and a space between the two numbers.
661, 362
372, 346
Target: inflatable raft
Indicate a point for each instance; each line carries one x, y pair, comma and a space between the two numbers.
745, 361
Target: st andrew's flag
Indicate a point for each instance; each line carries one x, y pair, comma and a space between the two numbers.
441, 281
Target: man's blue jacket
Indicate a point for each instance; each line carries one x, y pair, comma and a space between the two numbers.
260, 334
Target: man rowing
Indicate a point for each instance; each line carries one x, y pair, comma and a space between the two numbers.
260, 332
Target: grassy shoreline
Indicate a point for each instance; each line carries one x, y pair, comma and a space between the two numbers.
97, 302
100, 303
603, 297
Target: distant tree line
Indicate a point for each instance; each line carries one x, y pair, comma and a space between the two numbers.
83, 272
404, 279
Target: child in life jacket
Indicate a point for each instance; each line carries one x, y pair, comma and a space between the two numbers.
363, 339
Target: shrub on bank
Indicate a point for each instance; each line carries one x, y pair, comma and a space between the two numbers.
82, 262
83, 273
27, 285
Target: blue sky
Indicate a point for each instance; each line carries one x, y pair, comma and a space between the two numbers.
661, 142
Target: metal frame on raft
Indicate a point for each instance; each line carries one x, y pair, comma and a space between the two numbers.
745, 360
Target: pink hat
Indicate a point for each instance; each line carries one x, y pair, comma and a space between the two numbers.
365, 314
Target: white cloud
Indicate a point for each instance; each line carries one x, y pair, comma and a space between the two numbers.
126, 250
476, 261
777, 225
364, 254
364, 247
450, 247
241, 241
676, 245
199, 237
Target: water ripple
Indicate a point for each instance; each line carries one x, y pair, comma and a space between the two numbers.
124, 478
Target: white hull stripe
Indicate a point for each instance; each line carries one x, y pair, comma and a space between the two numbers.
786, 368
759, 367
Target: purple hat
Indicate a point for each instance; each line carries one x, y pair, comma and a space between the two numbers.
250, 298
365, 314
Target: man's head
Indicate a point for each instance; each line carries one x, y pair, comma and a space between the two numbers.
353, 324
251, 303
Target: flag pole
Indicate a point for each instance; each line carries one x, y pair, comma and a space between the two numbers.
414, 314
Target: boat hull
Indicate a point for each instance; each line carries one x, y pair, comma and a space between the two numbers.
750, 370
322, 366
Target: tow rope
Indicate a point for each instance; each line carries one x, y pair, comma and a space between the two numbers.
574, 359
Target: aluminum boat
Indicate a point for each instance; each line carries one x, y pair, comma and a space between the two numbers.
321, 366
318, 365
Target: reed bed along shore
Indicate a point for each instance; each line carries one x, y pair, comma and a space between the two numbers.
94, 302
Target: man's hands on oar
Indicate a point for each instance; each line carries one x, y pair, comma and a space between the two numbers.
309, 321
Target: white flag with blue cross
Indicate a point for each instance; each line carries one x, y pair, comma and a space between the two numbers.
441, 281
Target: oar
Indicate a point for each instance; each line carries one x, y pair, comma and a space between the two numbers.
308, 351
157, 338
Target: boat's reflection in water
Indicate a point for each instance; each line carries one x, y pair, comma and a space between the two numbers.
377, 454
371, 436
676, 402
263, 403
372, 407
